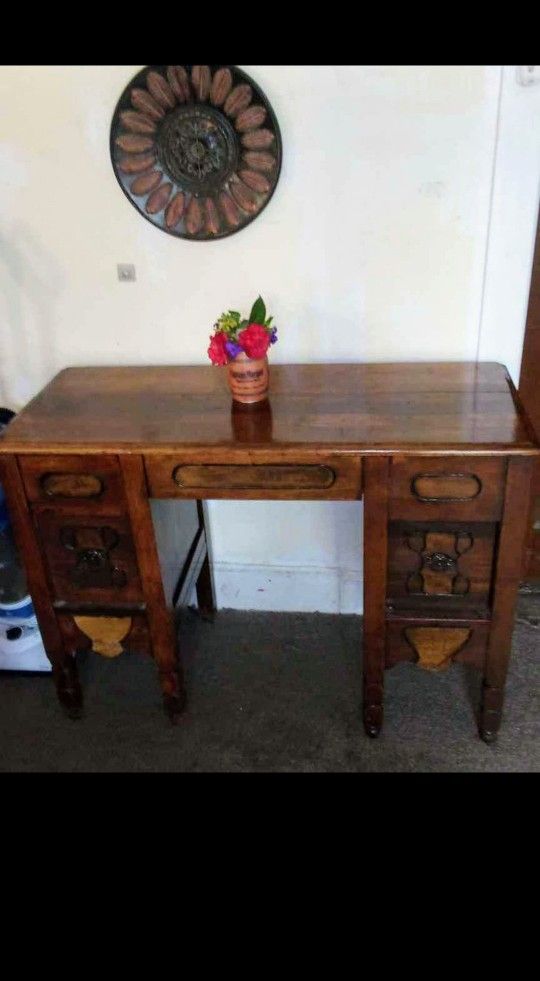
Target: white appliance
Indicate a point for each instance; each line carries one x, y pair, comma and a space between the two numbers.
21, 647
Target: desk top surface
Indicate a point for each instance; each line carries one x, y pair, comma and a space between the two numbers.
451, 406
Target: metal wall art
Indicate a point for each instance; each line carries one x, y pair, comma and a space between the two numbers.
196, 148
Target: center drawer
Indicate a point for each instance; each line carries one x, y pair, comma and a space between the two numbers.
435, 644
269, 477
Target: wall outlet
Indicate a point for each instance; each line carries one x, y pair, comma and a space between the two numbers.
126, 272
528, 74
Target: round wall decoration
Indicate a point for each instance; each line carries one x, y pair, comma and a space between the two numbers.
196, 148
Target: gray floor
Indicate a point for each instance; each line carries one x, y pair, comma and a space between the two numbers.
270, 692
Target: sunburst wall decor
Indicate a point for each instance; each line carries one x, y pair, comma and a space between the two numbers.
196, 148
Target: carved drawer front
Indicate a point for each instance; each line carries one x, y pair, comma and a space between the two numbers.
435, 645
89, 483
307, 478
89, 558
447, 488
438, 565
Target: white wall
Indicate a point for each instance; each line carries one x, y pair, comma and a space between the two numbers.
402, 228
512, 224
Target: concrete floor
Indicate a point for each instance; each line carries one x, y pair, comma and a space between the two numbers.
270, 692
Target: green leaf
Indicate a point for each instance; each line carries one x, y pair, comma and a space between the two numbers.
268, 321
258, 312
228, 322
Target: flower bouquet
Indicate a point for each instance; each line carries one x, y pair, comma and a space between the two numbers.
242, 345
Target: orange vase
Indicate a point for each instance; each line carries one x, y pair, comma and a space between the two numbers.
248, 379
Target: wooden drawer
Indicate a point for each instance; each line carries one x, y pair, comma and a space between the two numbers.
440, 565
436, 644
89, 560
89, 483
447, 488
266, 476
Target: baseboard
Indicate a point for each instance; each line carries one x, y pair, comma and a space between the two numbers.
295, 589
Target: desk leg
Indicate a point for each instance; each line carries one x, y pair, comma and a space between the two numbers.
62, 661
376, 475
507, 579
160, 619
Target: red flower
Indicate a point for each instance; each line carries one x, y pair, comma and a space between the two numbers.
217, 352
255, 340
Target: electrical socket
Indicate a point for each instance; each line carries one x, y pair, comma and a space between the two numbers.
126, 272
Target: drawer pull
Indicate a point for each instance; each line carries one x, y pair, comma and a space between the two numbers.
446, 488
71, 485
251, 477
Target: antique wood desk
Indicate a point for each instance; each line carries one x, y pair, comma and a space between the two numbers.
440, 453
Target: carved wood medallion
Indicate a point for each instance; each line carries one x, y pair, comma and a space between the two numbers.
196, 148
439, 553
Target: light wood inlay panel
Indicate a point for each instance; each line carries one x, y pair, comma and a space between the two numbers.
434, 645
312, 476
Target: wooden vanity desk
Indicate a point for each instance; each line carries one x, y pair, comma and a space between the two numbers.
441, 455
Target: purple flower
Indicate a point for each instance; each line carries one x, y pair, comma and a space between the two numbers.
233, 350
273, 335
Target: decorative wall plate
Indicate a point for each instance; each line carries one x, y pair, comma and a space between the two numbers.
196, 148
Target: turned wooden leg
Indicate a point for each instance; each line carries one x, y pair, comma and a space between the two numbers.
68, 688
376, 471
160, 619
174, 693
491, 706
507, 578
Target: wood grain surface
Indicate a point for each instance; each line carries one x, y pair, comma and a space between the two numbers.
377, 408
375, 571
159, 618
404, 642
414, 583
